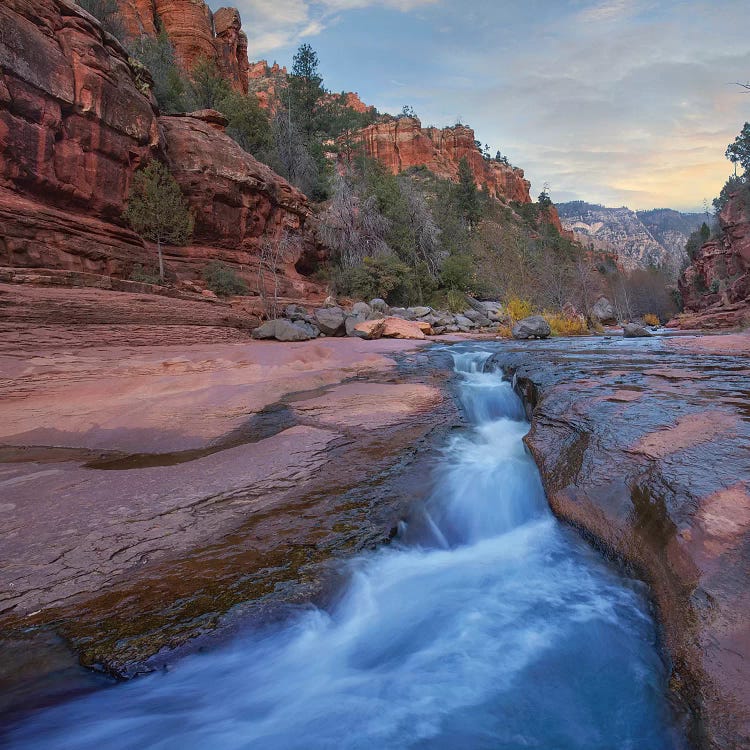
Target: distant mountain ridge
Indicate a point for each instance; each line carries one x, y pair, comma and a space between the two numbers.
639, 238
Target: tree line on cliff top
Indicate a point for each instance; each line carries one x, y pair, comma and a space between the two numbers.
411, 238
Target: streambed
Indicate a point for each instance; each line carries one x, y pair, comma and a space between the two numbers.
486, 624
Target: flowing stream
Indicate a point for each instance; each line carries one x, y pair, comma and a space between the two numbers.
487, 624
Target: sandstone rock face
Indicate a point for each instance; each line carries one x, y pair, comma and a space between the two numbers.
715, 288
195, 33
241, 206
402, 143
74, 127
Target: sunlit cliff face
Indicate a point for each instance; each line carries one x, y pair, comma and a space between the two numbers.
613, 101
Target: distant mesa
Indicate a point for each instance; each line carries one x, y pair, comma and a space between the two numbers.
639, 239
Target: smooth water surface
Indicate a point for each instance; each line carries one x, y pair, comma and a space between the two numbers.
486, 625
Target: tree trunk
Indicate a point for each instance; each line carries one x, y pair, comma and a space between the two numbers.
161, 260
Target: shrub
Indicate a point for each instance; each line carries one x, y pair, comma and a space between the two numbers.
222, 280
505, 332
144, 276
457, 272
566, 325
651, 320
518, 309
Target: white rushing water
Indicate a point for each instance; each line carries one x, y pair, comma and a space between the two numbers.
487, 625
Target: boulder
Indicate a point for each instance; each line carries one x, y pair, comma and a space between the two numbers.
492, 308
476, 317
535, 326
419, 312
350, 324
296, 312
396, 328
361, 309
634, 331
370, 329
443, 319
463, 322
379, 304
330, 320
266, 330
286, 330
392, 327
603, 311
401, 312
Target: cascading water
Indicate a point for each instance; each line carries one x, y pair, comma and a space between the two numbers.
487, 625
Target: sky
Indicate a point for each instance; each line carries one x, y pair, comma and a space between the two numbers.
618, 102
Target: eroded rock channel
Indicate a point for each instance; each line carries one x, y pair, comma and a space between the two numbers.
451, 608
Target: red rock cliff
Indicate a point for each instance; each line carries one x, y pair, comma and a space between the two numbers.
402, 143
74, 127
715, 287
195, 32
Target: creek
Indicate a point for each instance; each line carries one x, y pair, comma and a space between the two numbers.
486, 624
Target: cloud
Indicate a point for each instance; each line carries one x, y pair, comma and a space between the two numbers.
274, 24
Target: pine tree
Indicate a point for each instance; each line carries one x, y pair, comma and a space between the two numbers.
468, 196
739, 150
305, 88
208, 88
156, 209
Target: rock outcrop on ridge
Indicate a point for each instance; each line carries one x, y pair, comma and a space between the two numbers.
401, 143
715, 287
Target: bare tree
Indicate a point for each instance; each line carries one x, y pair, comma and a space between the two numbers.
292, 155
428, 248
353, 226
273, 255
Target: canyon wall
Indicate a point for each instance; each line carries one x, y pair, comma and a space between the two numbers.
401, 143
715, 287
75, 124
195, 32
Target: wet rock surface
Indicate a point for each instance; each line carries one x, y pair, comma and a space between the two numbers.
643, 445
152, 494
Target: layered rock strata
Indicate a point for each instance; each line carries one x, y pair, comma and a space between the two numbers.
76, 122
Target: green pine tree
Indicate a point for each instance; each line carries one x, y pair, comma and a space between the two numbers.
305, 89
156, 209
468, 195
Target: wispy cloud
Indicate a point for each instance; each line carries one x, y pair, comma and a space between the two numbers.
273, 24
